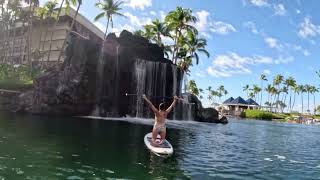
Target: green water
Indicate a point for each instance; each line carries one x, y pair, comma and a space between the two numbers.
34, 147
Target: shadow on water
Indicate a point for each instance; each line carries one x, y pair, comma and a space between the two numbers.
74, 148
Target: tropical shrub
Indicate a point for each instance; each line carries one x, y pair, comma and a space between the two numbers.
257, 114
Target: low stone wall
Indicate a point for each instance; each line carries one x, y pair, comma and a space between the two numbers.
6, 99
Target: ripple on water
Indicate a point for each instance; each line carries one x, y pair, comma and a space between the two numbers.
268, 159
75, 178
17, 171
67, 170
280, 157
82, 171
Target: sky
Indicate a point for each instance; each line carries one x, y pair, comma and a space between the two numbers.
245, 38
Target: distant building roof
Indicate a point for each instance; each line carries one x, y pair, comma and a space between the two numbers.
239, 100
252, 102
228, 101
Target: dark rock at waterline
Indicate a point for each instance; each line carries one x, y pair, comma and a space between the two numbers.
198, 113
90, 83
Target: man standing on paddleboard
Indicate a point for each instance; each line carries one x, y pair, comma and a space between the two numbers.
160, 119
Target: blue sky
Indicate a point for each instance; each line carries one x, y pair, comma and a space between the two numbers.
245, 37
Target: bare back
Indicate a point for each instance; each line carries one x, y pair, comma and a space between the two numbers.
160, 117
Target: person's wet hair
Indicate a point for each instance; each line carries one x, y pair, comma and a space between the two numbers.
162, 107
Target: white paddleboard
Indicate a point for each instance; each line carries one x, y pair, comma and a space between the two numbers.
164, 149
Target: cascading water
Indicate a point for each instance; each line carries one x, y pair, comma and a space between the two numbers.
140, 73
100, 70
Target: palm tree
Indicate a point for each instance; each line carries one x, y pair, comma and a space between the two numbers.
180, 21
246, 88
302, 90
79, 2
109, 9
313, 91
195, 45
222, 91
157, 30
192, 87
263, 77
285, 92
274, 93
277, 82
296, 90
308, 90
291, 84
256, 90
269, 89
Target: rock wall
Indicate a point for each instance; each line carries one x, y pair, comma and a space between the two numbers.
93, 83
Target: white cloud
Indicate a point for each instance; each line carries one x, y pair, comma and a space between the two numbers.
252, 26
230, 64
298, 11
139, 4
306, 53
138, 21
284, 60
206, 26
285, 47
279, 10
202, 23
222, 28
267, 72
153, 13
100, 26
162, 15
273, 43
308, 29
259, 3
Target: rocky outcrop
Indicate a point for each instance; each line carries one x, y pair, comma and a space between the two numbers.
93, 83
198, 112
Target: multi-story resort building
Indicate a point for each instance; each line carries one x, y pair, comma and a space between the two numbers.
14, 42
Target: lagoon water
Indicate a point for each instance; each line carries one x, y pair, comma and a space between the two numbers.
34, 147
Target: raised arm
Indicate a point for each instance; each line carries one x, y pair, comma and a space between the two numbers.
154, 109
172, 105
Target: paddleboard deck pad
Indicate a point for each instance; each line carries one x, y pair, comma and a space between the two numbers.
164, 149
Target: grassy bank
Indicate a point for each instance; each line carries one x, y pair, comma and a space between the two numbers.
263, 115
16, 85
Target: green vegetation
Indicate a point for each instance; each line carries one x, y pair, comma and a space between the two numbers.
15, 85
185, 44
257, 114
283, 94
16, 77
109, 9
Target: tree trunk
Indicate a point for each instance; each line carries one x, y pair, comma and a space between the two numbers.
29, 38
308, 101
14, 37
44, 42
302, 103
261, 95
52, 33
68, 33
294, 100
105, 34
314, 104
175, 46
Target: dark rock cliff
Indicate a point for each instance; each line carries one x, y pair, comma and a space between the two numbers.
111, 83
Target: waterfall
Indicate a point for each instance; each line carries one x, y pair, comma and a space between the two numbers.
174, 87
140, 75
99, 84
